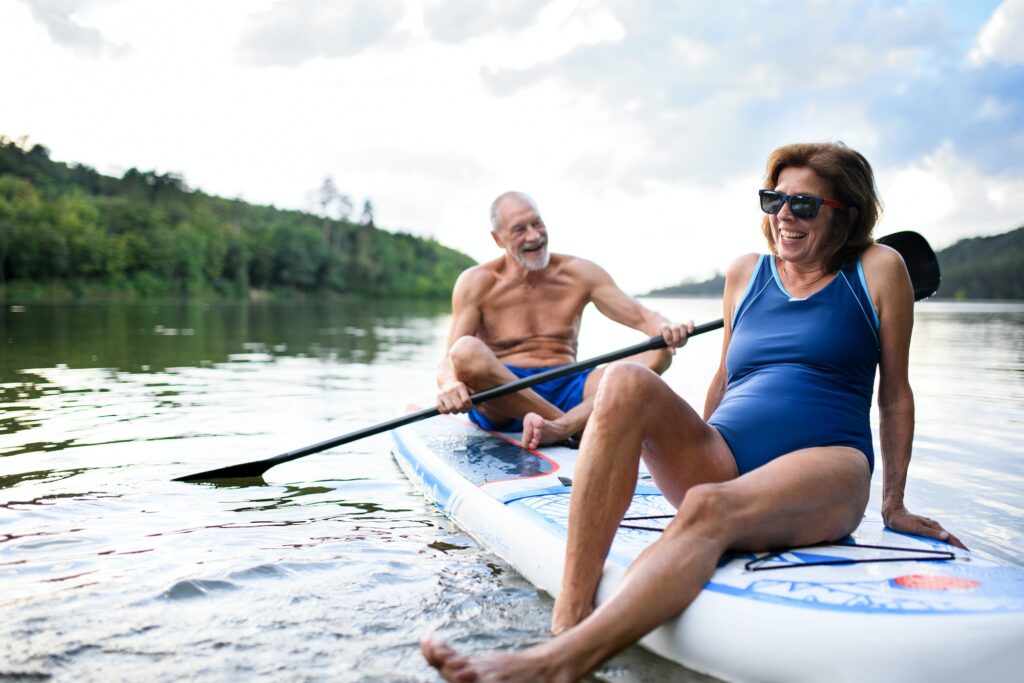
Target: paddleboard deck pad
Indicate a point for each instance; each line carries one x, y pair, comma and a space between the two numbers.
877, 606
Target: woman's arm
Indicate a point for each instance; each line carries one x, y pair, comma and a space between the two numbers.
893, 296
737, 277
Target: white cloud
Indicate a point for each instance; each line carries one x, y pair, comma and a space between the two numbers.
457, 21
290, 33
692, 76
581, 22
65, 24
945, 198
688, 53
1001, 40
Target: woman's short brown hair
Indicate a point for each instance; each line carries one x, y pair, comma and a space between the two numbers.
850, 179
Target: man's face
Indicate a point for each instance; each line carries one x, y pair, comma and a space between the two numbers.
522, 233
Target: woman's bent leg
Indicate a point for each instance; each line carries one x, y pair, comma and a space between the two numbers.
806, 497
811, 496
635, 414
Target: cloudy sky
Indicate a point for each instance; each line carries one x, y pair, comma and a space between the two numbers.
640, 127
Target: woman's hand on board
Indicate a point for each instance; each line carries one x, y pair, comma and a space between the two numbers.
900, 519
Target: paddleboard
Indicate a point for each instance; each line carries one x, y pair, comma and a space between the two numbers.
923, 611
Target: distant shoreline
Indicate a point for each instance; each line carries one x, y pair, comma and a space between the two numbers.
989, 268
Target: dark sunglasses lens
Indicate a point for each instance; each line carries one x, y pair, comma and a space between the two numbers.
803, 206
771, 202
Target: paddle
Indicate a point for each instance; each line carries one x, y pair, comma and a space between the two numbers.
918, 255
920, 259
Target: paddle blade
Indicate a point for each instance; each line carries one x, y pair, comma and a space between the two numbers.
921, 261
256, 468
248, 470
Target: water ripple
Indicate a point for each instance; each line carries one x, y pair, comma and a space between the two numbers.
197, 588
332, 568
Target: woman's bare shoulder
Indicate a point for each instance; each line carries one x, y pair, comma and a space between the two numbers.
888, 279
884, 265
741, 268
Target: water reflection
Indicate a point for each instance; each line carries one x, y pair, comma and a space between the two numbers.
154, 336
330, 566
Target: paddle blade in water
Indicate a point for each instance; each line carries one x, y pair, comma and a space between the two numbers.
248, 470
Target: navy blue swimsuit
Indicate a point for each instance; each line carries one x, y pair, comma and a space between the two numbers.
801, 371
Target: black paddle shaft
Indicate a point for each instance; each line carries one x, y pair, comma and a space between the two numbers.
258, 467
916, 253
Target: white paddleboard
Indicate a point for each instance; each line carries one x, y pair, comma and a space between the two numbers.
928, 613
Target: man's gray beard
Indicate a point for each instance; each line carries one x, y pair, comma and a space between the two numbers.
529, 263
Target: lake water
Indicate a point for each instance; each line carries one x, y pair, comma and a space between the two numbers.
336, 567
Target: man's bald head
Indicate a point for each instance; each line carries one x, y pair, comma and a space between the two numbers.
501, 199
518, 229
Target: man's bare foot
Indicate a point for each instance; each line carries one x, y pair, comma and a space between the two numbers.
524, 666
565, 616
540, 432
436, 654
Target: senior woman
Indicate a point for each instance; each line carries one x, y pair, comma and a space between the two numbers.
783, 454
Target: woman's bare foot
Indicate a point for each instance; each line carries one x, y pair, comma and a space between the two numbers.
540, 432
528, 666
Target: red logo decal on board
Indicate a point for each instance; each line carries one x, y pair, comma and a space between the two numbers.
925, 582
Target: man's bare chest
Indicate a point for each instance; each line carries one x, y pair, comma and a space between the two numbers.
525, 311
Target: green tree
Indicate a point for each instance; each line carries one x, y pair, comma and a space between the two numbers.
149, 233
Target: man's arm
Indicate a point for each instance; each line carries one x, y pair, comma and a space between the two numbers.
625, 310
466, 318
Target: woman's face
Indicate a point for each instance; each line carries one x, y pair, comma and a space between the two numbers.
797, 240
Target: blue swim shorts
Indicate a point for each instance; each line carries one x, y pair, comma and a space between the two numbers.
564, 393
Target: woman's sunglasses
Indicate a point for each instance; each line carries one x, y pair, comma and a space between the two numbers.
803, 206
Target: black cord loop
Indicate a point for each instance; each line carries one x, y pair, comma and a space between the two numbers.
920, 554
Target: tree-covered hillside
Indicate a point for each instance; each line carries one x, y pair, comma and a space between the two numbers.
984, 267
712, 287
66, 229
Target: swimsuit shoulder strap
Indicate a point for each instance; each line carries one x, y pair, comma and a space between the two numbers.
857, 285
759, 281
